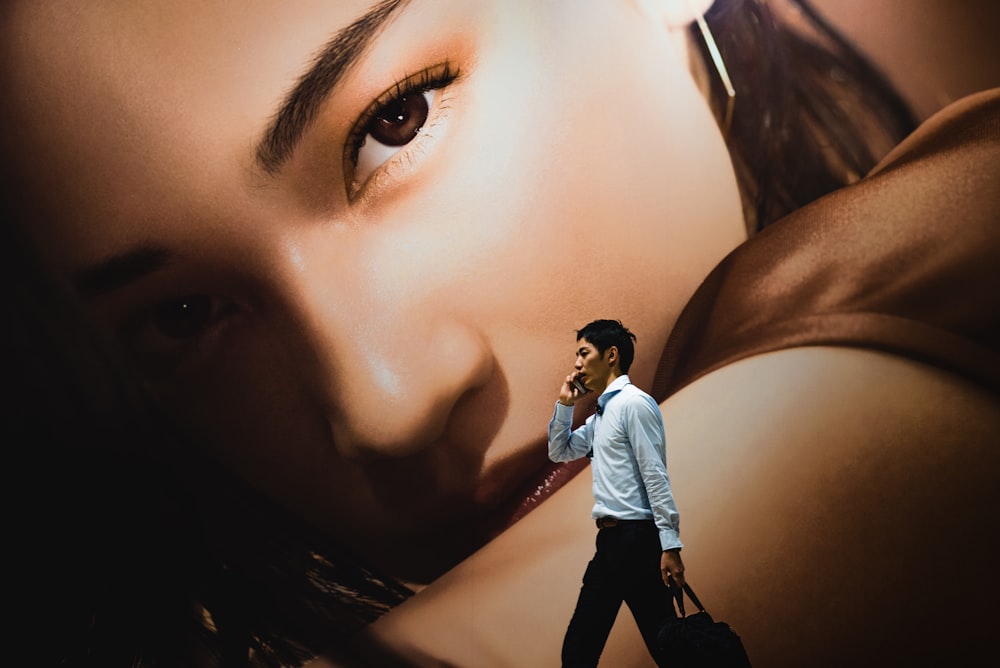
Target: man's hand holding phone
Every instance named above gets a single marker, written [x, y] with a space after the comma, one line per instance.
[572, 389]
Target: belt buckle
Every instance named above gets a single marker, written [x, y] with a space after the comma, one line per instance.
[607, 522]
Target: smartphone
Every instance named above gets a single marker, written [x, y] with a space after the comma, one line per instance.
[580, 387]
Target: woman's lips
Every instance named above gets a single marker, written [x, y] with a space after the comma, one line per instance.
[554, 476]
[443, 539]
[530, 494]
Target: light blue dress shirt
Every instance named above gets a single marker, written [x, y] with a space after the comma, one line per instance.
[629, 461]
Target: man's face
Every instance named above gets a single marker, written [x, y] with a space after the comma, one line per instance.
[354, 308]
[594, 369]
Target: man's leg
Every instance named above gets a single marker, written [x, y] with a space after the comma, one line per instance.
[647, 597]
[596, 609]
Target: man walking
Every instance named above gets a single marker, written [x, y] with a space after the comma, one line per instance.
[638, 542]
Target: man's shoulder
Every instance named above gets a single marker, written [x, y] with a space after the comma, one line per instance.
[632, 390]
[632, 395]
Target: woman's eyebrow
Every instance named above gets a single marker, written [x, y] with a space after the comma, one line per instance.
[301, 105]
[120, 270]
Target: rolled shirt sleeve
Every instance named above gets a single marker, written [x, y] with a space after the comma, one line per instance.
[565, 445]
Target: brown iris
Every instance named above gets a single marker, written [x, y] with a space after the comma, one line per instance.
[397, 122]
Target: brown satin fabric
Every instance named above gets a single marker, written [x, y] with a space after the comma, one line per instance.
[906, 261]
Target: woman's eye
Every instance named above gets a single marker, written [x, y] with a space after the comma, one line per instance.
[394, 125]
[175, 334]
[182, 318]
[397, 118]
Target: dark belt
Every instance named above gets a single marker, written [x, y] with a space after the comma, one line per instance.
[608, 522]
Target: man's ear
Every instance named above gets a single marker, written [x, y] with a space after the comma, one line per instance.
[677, 13]
[612, 355]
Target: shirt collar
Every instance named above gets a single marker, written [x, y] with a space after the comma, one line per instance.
[614, 388]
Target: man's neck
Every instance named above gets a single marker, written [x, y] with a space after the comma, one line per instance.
[615, 375]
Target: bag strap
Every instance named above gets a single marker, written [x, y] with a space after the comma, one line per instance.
[678, 594]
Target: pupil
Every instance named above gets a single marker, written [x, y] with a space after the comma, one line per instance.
[398, 122]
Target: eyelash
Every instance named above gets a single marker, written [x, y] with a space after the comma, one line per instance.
[432, 78]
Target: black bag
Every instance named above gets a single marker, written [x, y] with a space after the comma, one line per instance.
[697, 640]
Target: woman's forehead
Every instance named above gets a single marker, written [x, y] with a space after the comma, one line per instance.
[108, 94]
[187, 23]
[177, 49]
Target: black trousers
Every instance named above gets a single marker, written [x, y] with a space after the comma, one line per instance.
[625, 567]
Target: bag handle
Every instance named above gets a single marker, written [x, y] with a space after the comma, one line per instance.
[678, 594]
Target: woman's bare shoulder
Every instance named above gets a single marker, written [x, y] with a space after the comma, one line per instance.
[810, 387]
[851, 484]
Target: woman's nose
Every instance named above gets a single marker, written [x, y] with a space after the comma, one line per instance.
[397, 389]
[388, 369]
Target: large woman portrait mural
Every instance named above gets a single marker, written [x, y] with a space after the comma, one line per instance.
[334, 255]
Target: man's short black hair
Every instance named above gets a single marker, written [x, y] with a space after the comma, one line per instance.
[602, 334]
